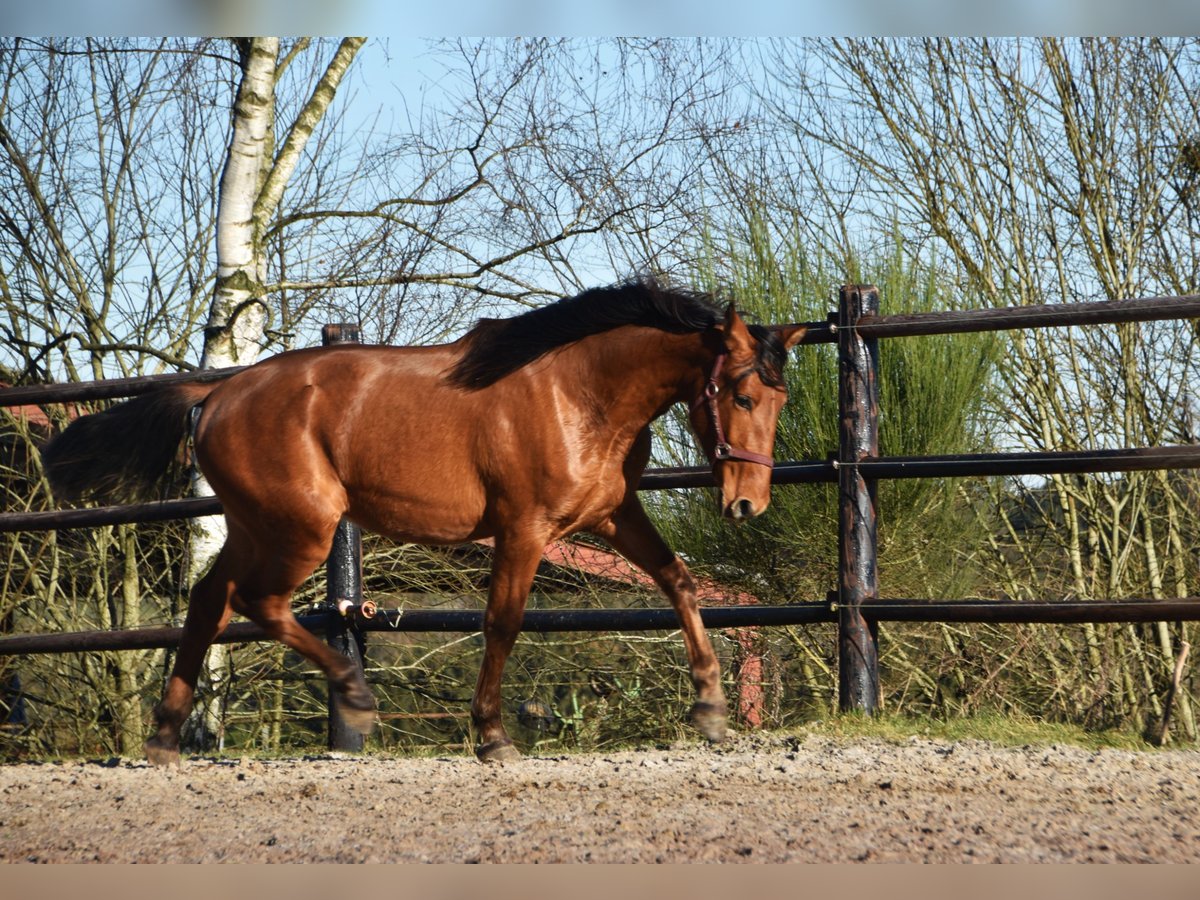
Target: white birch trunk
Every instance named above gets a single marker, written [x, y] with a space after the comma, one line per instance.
[238, 316]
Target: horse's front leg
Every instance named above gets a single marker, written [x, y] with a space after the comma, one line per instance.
[634, 536]
[513, 568]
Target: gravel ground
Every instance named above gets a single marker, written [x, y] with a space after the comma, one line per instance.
[754, 799]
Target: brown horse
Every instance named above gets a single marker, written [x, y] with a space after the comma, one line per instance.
[524, 430]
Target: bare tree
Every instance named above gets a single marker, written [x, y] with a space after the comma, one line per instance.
[102, 243]
[105, 229]
[1046, 171]
[544, 167]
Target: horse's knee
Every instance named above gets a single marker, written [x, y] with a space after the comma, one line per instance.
[677, 581]
[502, 628]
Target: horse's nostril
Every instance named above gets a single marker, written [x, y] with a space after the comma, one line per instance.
[740, 509]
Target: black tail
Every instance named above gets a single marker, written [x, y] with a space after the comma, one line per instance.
[122, 453]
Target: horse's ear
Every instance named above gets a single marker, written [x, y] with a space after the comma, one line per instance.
[737, 336]
[791, 335]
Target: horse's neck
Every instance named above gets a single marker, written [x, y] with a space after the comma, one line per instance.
[638, 377]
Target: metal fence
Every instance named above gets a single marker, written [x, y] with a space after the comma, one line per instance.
[856, 467]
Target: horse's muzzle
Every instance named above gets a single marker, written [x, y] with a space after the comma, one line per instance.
[740, 510]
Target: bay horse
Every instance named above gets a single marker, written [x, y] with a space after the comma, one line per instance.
[525, 430]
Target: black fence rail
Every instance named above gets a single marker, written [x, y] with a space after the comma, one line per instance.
[856, 467]
[813, 472]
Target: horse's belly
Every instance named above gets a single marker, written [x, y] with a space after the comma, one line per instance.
[439, 511]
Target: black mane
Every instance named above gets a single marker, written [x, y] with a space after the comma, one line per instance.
[498, 347]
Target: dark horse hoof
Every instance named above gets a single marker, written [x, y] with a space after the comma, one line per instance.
[361, 721]
[709, 719]
[356, 706]
[501, 751]
[160, 754]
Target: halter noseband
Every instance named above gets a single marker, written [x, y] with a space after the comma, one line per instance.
[723, 450]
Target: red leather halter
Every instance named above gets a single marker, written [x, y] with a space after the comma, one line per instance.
[723, 450]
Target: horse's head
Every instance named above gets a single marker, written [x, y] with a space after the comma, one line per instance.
[736, 413]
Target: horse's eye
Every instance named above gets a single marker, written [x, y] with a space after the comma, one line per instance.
[743, 401]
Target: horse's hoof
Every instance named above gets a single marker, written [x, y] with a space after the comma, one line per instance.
[709, 719]
[159, 754]
[501, 751]
[361, 721]
[356, 706]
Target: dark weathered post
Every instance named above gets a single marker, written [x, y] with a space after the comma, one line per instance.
[343, 583]
[858, 582]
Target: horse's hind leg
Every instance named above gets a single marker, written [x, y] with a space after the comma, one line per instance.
[265, 598]
[208, 613]
[634, 536]
[260, 586]
[351, 693]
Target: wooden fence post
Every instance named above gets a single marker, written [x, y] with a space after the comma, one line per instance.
[343, 582]
[858, 576]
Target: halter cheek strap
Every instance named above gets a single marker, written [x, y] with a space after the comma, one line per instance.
[723, 450]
